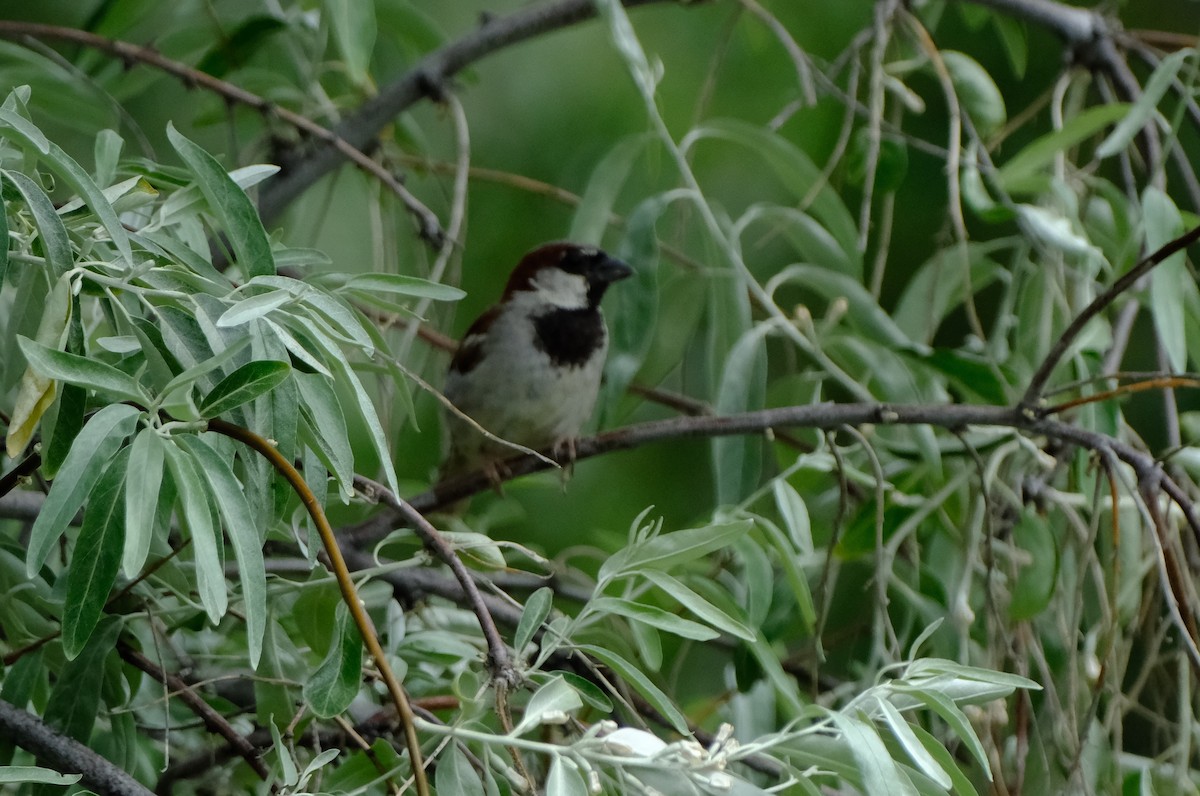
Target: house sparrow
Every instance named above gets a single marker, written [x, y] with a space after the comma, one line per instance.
[528, 369]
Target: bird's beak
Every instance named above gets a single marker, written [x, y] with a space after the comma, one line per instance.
[610, 270]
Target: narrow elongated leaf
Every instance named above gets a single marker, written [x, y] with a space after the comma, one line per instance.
[879, 771]
[653, 616]
[253, 307]
[796, 171]
[243, 386]
[37, 390]
[75, 701]
[141, 498]
[334, 684]
[75, 176]
[96, 557]
[1142, 111]
[593, 215]
[402, 284]
[3, 236]
[83, 371]
[537, 608]
[36, 774]
[196, 517]
[230, 500]
[699, 606]
[353, 26]
[669, 550]
[1170, 280]
[1039, 153]
[56, 245]
[959, 724]
[100, 438]
[25, 130]
[642, 684]
[239, 219]
[327, 424]
[912, 745]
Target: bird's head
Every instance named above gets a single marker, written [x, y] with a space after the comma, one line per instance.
[566, 275]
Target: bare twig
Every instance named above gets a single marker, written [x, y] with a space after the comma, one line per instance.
[499, 660]
[1037, 384]
[214, 722]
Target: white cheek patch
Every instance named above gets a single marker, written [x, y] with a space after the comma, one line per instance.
[557, 287]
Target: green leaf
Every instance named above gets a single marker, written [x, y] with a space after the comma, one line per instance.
[248, 309]
[653, 616]
[537, 608]
[1142, 111]
[56, 244]
[238, 217]
[565, 779]
[335, 683]
[323, 428]
[903, 732]
[83, 371]
[862, 309]
[403, 285]
[141, 498]
[231, 501]
[456, 775]
[1170, 279]
[699, 606]
[75, 176]
[553, 700]
[75, 701]
[353, 24]
[978, 94]
[1017, 173]
[737, 459]
[959, 724]
[796, 171]
[243, 386]
[26, 130]
[669, 550]
[100, 438]
[196, 518]
[36, 774]
[879, 771]
[633, 676]
[96, 556]
[36, 394]
[3, 236]
[594, 213]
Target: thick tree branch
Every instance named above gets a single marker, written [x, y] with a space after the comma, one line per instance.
[825, 416]
[425, 79]
[66, 755]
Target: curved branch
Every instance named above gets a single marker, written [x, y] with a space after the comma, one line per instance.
[66, 755]
[345, 584]
[498, 658]
[424, 79]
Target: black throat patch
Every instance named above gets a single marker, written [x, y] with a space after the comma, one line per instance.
[569, 337]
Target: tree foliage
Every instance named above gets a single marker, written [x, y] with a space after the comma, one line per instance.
[893, 491]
